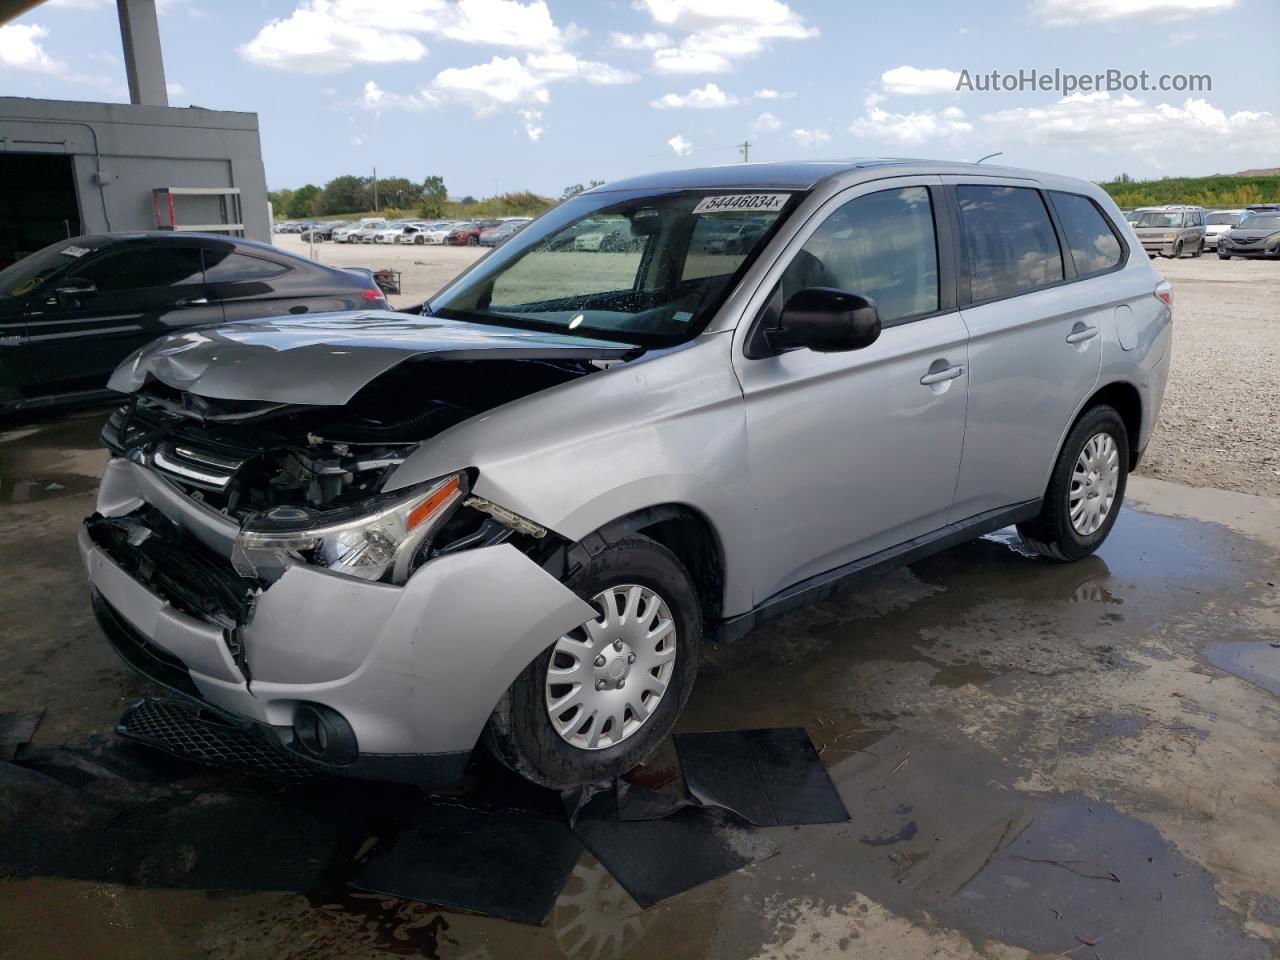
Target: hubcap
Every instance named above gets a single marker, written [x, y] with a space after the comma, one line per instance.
[608, 676]
[1093, 484]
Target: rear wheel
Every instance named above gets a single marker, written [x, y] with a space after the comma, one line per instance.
[1085, 490]
[602, 697]
[473, 241]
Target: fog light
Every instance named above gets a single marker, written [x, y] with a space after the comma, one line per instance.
[324, 734]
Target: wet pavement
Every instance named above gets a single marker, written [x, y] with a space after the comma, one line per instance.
[1038, 759]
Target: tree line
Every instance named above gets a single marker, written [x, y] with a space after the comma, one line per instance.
[399, 195]
[1209, 192]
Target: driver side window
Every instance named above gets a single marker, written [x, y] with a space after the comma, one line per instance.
[881, 245]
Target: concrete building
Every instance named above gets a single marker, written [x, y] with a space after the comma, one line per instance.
[69, 167]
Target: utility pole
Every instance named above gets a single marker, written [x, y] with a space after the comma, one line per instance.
[375, 189]
[745, 147]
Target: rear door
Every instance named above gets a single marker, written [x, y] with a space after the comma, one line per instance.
[1035, 345]
[112, 304]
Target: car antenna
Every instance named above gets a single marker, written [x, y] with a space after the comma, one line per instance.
[998, 153]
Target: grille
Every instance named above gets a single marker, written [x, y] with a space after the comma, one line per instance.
[200, 468]
[194, 733]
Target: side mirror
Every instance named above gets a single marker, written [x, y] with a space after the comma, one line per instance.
[827, 321]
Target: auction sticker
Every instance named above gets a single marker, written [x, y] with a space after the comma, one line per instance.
[743, 202]
[74, 251]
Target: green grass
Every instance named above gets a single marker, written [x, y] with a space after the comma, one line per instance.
[1208, 192]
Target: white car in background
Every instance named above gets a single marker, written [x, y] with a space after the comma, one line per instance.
[411, 233]
[389, 234]
[437, 231]
[1218, 223]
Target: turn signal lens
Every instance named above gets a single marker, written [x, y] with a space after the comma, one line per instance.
[438, 498]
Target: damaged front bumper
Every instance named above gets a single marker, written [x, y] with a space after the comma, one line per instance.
[412, 671]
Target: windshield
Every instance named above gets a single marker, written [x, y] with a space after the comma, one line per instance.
[1157, 219]
[30, 273]
[1217, 219]
[1263, 221]
[639, 267]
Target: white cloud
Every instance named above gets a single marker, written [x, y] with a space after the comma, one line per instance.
[769, 93]
[639, 41]
[532, 124]
[1063, 13]
[376, 99]
[809, 138]
[720, 32]
[680, 145]
[357, 140]
[487, 86]
[765, 123]
[911, 128]
[1124, 123]
[21, 49]
[709, 97]
[912, 81]
[175, 89]
[322, 36]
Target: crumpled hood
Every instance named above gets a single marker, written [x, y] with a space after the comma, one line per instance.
[325, 358]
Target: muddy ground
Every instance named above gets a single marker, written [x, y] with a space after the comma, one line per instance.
[1039, 759]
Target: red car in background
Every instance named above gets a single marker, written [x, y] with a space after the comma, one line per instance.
[468, 234]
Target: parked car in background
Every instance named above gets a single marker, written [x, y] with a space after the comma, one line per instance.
[411, 233]
[369, 232]
[1131, 215]
[1171, 231]
[72, 311]
[606, 236]
[468, 234]
[390, 233]
[1217, 223]
[495, 236]
[1257, 237]
[321, 232]
[439, 231]
[362, 492]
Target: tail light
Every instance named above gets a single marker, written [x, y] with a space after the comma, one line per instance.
[1164, 293]
[373, 295]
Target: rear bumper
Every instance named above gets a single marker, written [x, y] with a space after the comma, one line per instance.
[414, 670]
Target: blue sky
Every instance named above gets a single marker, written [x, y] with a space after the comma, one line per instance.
[499, 95]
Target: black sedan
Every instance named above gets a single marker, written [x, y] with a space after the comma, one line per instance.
[1257, 236]
[71, 312]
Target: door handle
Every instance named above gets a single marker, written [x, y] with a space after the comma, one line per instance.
[194, 302]
[942, 376]
[1082, 334]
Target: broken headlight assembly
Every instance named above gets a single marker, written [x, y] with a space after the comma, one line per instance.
[378, 539]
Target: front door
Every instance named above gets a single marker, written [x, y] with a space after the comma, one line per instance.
[852, 453]
[111, 305]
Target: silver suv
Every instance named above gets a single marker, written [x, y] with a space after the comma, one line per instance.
[372, 541]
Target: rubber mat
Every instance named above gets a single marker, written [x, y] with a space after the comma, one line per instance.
[500, 862]
[770, 778]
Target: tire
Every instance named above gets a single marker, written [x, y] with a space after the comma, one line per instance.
[473, 241]
[1177, 251]
[1053, 533]
[1198, 251]
[1224, 256]
[520, 732]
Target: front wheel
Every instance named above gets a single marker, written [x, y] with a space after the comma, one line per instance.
[1224, 256]
[1177, 251]
[473, 241]
[1085, 489]
[1198, 250]
[601, 698]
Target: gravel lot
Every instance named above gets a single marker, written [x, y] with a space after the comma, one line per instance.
[1220, 424]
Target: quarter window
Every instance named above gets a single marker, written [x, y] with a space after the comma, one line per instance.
[882, 245]
[1010, 241]
[1092, 243]
[224, 267]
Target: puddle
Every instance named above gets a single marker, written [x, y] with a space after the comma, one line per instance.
[49, 487]
[1255, 661]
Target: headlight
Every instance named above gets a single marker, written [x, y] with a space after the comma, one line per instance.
[378, 545]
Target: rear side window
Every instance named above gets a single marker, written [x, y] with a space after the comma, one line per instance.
[1093, 245]
[1010, 241]
[159, 265]
[221, 266]
[881, 245]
